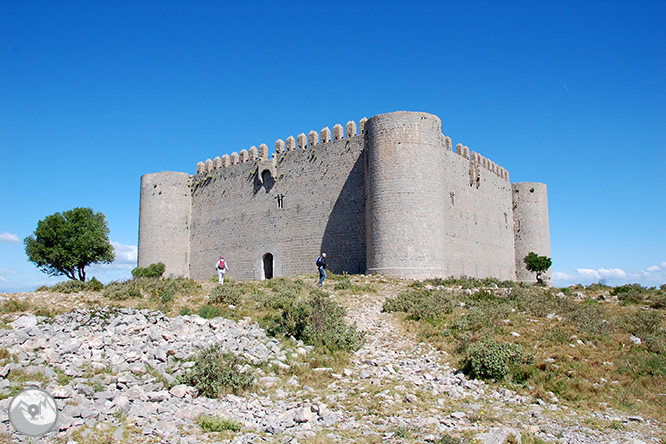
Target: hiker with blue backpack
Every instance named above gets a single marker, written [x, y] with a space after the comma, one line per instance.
[321, 265]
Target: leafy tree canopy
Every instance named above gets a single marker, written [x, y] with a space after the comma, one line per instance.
[65, 244]
[537, 264]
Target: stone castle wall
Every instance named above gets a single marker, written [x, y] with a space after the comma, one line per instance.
[394, 199]
[236, 212]
[164, 218]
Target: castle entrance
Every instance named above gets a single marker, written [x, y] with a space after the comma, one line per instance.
[268, 266]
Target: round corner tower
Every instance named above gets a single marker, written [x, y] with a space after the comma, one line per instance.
[530, 226]
[164, 219]
[404, 186]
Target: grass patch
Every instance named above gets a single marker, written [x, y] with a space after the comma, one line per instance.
[215, 424]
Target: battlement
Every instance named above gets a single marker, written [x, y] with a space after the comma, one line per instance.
[302, 142]
[313, 138]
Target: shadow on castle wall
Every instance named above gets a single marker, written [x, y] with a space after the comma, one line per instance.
[344, 235]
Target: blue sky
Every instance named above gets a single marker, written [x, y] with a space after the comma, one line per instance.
[572, 94]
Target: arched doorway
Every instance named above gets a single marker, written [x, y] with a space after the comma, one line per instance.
[268, 266]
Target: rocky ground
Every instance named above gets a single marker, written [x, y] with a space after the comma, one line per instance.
[113, 373]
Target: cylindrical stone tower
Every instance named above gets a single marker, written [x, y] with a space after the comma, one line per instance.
[530, 226]
[164, 219]
[405, 195]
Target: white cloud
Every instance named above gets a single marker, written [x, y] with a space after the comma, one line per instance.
[587, 273]
[8, 237]
[7, 271]
[654, 275]
[560, 276]
[613, 273]
[126, 256]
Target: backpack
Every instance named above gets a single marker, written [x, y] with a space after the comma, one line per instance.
[318, 263]
[221, 265]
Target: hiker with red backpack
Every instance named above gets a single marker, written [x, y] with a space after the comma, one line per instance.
[222, 268]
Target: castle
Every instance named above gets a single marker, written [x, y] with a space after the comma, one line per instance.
[392, 198]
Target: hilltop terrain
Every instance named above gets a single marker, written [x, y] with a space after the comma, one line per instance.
[129, 363]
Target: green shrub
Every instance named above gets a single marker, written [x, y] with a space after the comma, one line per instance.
[230, 294]
[492, 360]
[421, 304]
[482, 316]
[94, 285]
[598, 287]
[646, 324]
[209, 311]
[67, 287]
[212, 424]
[535, 301]
[317, 321]
[627, 288]
[590, 319]
[121, 291]
[75, 286]
[344, 284]
[291, 288]
[215, 373]
[165, 289]
[631, 297]
[151, 271]
[658, 299]
[326, 326]
[14, 306]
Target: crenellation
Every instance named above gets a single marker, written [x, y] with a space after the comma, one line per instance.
[325, 135]
[279, 146]
[338, 132]
[448, 143]
[313, 138]
[456, 219]
[291, 143]
[253, 153]
[302, 141]
[351, 128]
[263, 152]
[460, 150]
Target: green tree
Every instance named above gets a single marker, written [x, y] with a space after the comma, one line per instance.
[537, 264]
[65, 244]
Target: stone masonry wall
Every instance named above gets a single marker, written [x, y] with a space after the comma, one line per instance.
[531, 226]
[236, 214]
[479, 222]
[164, 216]
[404, 190]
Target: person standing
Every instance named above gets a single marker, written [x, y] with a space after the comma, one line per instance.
[321, 265]
[222, 268]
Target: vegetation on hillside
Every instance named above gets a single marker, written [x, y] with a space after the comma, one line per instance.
[587, 347]
[584, 346]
